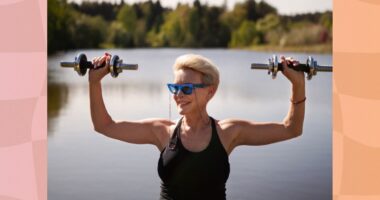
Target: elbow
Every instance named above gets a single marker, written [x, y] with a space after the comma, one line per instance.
[296, 132]
[101, 129]
[292, 129]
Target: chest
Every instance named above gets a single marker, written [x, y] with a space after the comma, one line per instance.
[196, 142]
[199, 142]
[180, 163]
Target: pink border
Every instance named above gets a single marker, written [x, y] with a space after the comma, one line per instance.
[23, 99]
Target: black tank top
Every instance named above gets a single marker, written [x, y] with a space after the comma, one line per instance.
[193, 175]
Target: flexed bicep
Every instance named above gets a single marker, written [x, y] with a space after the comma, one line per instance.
[147, 131]
[260, 133]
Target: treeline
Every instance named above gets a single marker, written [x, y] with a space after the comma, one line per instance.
[148, 24]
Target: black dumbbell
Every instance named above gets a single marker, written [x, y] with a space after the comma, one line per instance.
[81, 65]
[310, 67]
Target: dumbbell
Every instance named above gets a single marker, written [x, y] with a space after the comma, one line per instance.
[81, 65]
[310, 67]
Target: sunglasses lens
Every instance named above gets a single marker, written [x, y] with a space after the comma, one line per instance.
[173, 89]
[187, 90]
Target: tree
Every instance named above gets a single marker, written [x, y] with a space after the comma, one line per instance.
[246, 35]
[128, 17]
[60, 17]
[118, 36]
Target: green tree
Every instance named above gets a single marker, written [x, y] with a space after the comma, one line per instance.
[235, 17]
[326, 20]
[60, 16]
[263, 9]
[89, 32]
[118, 37]
[270, 29]
[173, 31]
[100, 24]
[246, 35]
[268, 23]
[127, 16]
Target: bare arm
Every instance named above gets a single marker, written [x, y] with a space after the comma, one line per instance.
[99, 115]
[255, 133]
[261, 133]
[148, 131]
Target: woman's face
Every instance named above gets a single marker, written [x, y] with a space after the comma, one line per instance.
[197, 100]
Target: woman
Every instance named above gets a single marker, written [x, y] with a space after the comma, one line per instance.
[193, 163]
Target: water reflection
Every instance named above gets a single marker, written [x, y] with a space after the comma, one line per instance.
[58, 96]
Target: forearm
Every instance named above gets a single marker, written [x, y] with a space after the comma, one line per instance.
[99, 115]
[295, 117]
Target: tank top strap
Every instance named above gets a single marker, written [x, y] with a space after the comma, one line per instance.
[215, 140]
[174, 138]
[214, 134]
[214, 143]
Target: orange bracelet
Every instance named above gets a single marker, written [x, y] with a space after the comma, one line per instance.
[298, 102]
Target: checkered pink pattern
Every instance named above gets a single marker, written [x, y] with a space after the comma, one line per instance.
[23, 99]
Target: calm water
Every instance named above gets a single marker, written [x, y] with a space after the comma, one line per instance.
[83, 164]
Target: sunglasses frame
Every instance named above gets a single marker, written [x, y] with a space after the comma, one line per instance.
[181, 86]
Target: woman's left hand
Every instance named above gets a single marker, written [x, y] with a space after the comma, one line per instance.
[295, 77]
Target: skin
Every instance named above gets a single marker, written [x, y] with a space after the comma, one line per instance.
[196, 129]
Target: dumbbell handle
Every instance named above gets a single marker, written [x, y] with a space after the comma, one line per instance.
[89, 65]
[299, 67]
[129, 66]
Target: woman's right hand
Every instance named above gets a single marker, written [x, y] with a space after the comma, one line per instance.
[97, 74]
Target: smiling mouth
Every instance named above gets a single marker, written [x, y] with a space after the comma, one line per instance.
[183, 104]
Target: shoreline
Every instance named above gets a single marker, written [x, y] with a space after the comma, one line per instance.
[319, 48]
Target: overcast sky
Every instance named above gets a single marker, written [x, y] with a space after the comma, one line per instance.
[283, 6]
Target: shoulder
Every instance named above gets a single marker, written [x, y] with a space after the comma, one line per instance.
[228, 131]
[159, 126]
[231, 125]
[157, 122]
[163, 129]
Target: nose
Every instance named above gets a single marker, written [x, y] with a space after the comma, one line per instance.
[179, 93]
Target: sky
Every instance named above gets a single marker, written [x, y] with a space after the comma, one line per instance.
[283, 6]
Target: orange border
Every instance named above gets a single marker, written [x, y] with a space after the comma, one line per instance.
[356, 100]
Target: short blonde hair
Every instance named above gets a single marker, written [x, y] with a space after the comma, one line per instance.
[209, 71]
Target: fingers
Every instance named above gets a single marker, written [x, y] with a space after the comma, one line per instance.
[98, 61]
[284, 62]
[108, 59]
[289, 61]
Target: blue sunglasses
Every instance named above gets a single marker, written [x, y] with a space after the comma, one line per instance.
[186, 88]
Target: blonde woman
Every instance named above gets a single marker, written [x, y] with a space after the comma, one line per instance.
[194, 162]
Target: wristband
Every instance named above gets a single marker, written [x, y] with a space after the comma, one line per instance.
[298, 102]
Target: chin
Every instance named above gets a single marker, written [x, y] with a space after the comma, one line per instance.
[183, 111]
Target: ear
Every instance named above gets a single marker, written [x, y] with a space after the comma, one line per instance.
[211, 92]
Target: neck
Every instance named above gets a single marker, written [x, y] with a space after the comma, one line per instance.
[196, 121]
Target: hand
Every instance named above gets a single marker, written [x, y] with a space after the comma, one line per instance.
[97, 74]
[295, 77]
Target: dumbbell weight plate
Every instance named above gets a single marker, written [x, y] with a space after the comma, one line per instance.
[114, 66]
[80, 64]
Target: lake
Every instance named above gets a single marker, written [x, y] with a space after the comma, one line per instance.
[83, 164]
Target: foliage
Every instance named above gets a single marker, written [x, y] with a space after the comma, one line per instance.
[246, 35]
[148, 24]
